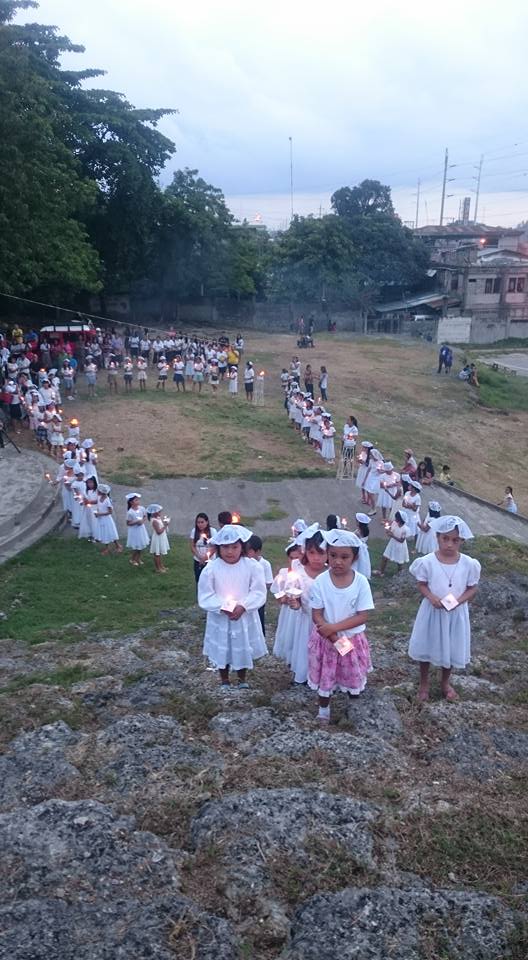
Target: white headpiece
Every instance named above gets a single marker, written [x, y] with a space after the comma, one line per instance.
[70, 464]
[447, 524]
[403, 514]
[367, 444]
[86, 444]
[299, 525]
[416, 484]
[231, 533]
[305, 534]
[104, 488]
[362, 518]
[434, 505]
[154, 508]
[131, 496]
[388, 465]
[341, 538]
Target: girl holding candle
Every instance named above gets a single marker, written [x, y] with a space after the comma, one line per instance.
[87, 528]
[291, 589]
[412, 502]
[138, 537]
[141, 366]
[159, 542]
[389, 488]
[231, 589]
[199, 538]
[447, 580]
[338, 650]
[396, 549]
[328, 433]
[105, 526]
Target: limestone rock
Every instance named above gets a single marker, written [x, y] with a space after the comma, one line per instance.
[374, 713]
[243, 725]
[78, 882]
[35, 765]
[399, 923]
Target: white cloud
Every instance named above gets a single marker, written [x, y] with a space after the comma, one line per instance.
[376, 91]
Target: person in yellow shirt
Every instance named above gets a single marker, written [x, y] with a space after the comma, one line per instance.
[233, 357]
[16, 333]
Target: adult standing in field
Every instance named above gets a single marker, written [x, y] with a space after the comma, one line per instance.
[442, 355]
[309, 380]
[249, 378]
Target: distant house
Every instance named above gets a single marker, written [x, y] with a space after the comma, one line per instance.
[481, 285]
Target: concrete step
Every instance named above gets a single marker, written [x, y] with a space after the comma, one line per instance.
[50, 519]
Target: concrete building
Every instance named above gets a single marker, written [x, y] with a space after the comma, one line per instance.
[480, 286]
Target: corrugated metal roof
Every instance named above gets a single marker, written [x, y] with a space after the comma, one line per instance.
[424, 300]
[466, 230]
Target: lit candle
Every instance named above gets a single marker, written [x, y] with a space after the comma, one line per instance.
[292, 586]
[344, 522]
[235, 517]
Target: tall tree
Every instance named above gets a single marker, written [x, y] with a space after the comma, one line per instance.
[79, 199]
[43, 193]
[369, 198]
[313, 259]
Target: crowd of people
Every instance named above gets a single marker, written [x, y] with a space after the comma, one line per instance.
[323, 590]
[325, 601]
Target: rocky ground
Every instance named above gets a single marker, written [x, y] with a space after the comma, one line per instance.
[146, 813]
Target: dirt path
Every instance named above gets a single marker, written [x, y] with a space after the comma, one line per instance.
[183, 498]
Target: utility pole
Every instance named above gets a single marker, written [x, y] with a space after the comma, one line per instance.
[417, 203]
[291, 175]
[478, 178]
[442, 202]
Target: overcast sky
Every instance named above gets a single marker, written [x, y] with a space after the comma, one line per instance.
[374, 91]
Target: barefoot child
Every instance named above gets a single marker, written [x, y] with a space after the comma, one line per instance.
[159, 542]
[338, 650]
[447, 580]
[396, 548]
[138, 537]
[231, 589]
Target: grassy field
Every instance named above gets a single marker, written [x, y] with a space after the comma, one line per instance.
[63, 590]
[389, 384]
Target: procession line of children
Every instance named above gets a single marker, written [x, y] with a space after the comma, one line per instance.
[325, 604]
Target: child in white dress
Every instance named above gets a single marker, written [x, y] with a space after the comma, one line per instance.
[338, 650]
[292, 589]
[231, 589]
[389, 488]
[138, 537]
[447, 580]
[426, 540]
[233, 381]
[141, 366]
[411, 503]
[328, 434]
[159, 542]
[87, 528]
[363, 467]
[254, 551]
[284, 632]
[78, 490]
[371, 483]
[396, 549]
[105, 526]
[362, 564]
